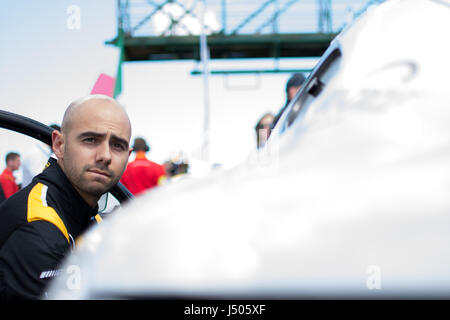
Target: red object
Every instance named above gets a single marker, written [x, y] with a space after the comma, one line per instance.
[8, 183]
[104, 85]
[142, 174]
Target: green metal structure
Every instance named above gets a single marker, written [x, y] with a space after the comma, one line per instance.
[155, 30]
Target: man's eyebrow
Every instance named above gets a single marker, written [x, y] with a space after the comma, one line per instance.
[91, 134]
[101, 135]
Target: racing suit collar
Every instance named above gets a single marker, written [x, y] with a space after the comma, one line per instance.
[70, 195]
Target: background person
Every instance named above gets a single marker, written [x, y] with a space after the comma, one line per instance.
[7, 179]
[263, 129]
[142, 174]
[294, 84]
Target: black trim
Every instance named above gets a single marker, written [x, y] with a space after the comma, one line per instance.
[26, 126]
[312, 86]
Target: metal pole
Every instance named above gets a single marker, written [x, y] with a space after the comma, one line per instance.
[324, 16]
[204, 54]
[275, 32]
[120, 45]
[224, 16]
[275, 21]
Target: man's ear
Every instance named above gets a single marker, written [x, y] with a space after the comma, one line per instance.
[58, 144]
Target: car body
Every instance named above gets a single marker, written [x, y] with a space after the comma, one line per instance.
[348, 199]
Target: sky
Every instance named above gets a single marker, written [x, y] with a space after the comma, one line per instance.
[46, 63]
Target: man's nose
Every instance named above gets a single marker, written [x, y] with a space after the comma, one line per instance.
[103, 153]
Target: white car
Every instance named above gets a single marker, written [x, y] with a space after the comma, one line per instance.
[350, 198]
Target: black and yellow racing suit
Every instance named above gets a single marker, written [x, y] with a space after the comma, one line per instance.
[38, 226]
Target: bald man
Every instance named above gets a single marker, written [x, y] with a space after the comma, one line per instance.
[39, 224]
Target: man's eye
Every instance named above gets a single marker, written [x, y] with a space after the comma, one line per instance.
[89, 140]
[118, 146]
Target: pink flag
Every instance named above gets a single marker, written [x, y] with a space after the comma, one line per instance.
[104, 85]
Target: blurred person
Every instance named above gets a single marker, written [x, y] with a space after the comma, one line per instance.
[7, 179]
[263, 129]
[293, 85]
[34, 160]
[176, 166]
[170, 168]
[175, 171]
[142, 174]
[39, 224]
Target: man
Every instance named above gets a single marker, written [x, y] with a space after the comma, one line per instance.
[7, 179]
[294, 84]
[142, 174]
[40, 222]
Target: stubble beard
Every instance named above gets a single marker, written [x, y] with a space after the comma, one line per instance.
[93, 186]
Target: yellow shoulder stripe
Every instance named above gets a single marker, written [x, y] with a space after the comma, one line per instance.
[39, 210]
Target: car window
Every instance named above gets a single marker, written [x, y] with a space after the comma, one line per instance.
[314, 86]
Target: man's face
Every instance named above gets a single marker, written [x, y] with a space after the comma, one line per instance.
[15, 164]
[292, 91]
[95, 148]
